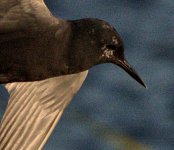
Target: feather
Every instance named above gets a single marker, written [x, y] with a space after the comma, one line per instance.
[34, 109]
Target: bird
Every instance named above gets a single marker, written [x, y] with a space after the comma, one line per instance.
[44, 61]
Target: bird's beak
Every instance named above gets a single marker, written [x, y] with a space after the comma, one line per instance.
[125, 65]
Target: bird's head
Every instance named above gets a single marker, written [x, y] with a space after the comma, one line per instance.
[102, 44]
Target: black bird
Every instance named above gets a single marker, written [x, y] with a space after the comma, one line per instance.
[35, 46]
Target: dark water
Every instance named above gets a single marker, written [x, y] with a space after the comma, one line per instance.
[112, 111]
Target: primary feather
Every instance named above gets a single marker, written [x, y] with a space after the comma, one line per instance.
[34, 109]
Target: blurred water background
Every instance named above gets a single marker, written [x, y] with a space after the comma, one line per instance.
[111, 111]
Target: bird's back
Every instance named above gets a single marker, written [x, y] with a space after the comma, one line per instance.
[28, 57]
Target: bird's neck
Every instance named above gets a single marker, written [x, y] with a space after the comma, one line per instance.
[81, 55]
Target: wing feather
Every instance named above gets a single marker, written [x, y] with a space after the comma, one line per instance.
[24, 15]
[34, 109]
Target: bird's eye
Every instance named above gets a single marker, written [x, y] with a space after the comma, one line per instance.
[113, 47]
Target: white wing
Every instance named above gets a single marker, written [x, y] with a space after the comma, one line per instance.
[34, 109]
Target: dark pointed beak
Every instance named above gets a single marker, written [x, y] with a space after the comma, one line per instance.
[125, 65]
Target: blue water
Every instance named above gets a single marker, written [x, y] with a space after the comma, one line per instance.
[111, 110]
